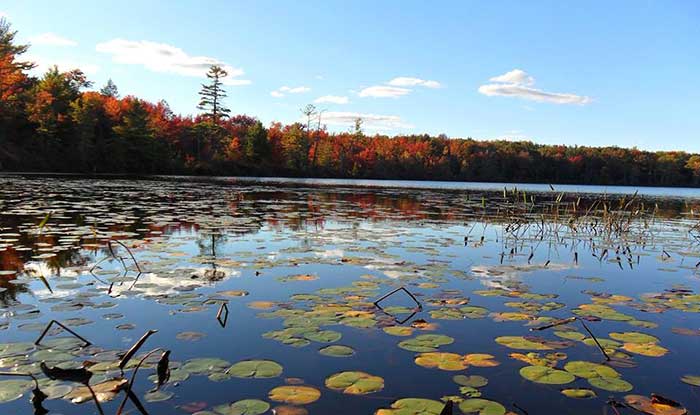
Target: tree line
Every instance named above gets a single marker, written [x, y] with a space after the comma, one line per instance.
[56, 123]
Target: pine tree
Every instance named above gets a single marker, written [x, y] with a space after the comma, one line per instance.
[213, 94]
[110, 89]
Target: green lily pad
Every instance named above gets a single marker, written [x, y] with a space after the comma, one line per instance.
[691, 380]
[337, 351]
[443, 361]
[634, 337]
[546, 375]
[294, 394]
[530, 343]
[579, 393]
[590, 370]
[426, 342]
[158, 396]
[611, 384]
[205, 366]
[398, 331]
[323, 336]
[258, 369]
[413, 406]
[473, 381]
[481, 407]
[355, 383]
[645, 349]
[12, 389]
[243, 407]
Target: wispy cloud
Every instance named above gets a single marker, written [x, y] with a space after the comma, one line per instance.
[518, 83]
[397, 87]
[409, 81]
[161, 57]
[382, 91]
[374, 122]
[516, 76]
[331, 99]
[284, 90]
[51, 39]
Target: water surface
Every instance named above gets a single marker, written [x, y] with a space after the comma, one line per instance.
[299, 266]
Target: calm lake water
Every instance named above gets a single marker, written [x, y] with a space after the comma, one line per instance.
[299, 264]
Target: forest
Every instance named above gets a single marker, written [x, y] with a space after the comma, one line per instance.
[59, 122]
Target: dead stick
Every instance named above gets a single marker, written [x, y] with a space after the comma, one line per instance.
[133, 379]
[594, 339]
[132, 351]
[52, 322]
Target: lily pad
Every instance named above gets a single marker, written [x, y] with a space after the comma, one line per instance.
[413, 406]
[443, 361]
[355, 383]
[295, 394]
[473, 381]
[634, 337]
[654, 406]
[243, 407]
[482, 407]
[579, 393]
[611, 384]
[691, 380]
[259, 369]
[645, 349]
[337, 351]
[546, 375]
[12, 389]
[426, 342]
[590, 370]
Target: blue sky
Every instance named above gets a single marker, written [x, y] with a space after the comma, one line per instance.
[589, 73]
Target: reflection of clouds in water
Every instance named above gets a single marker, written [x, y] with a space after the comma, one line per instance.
[331, 253]
[42, 269]
[492, 276]
[391, 270]
[173, 282]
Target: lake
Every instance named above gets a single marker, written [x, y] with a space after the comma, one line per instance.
[519, 299]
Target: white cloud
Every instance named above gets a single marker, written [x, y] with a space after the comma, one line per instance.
[408, 81]
[3, 14]
[295, 90]
[284, 90]
[331, 99]
[161, 57]
[516, 76]
[381, 91]
[51, 39]
[64, 65]
[369, 121]
[518, 83]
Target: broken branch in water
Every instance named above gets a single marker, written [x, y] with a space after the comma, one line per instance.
[135, 348]
[563, 321]
[52, 322]
[402, 288]
[130, 385]
[223, 307]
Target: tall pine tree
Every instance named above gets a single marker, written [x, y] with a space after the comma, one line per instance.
[213, 94]
[110, 89]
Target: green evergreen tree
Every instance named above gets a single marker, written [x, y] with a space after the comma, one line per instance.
[110, 89]
[212, 95]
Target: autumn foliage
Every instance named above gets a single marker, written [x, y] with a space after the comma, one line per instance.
[55, 123]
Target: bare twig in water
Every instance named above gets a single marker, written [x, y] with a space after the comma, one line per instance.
[51, 323]
[402, 288]
[133, 379]
[135, 348]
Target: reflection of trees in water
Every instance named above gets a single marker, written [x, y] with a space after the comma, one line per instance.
[12, 291]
